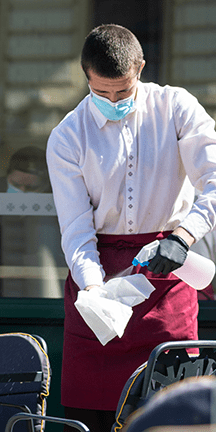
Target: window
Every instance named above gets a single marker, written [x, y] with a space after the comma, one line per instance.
[41, 80]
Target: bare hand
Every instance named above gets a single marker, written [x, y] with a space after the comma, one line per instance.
[90, 287]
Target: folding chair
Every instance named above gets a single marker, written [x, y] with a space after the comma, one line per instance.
[26, 416]
[185, 406]
[168, 363]
[25, 376]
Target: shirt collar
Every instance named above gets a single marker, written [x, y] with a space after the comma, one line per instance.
[140, 101]
[100, 119]
[98, 116]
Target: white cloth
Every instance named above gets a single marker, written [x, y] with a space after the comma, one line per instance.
[107, 310]
[131, 176]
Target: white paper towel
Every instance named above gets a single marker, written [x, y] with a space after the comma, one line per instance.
[107, 309]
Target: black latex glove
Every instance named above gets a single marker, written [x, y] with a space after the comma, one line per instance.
[171, 254]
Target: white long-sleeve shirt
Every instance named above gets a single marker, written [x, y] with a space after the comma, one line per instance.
[131, 176]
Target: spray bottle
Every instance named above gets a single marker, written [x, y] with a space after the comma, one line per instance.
[197, 271]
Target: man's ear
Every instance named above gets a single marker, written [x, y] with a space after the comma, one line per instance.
[141, 68]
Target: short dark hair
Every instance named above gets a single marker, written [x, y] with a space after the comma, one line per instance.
[111, 51]
[29, 159]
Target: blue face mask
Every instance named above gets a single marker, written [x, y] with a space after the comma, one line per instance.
[13, 189]
[113, 110]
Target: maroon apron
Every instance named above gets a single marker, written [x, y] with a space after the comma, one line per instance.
[94, 375]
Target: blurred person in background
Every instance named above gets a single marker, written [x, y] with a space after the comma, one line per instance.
[36, 240]
[27, 172]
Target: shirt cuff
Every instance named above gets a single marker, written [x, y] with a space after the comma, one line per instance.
[196, 225]
[90, 276]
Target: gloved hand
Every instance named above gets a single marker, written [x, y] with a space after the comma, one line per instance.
[171, 254]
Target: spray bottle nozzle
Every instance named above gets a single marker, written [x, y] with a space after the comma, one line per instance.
[146, 254]
[135, 262]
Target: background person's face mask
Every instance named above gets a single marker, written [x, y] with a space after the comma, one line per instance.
[13, 189]
[114, 110]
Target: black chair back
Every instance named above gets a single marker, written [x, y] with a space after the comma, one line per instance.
[25, 376]
[168, 363]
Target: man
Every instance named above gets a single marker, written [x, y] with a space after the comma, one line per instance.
[122, 166]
